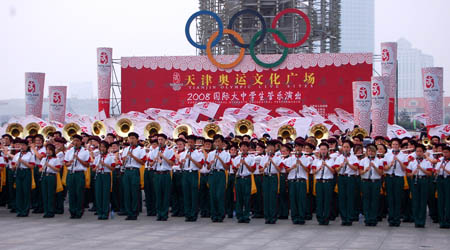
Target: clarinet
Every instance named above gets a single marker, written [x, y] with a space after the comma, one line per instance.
[416, 177]
[15, 170]
[241, 169]
[215, 161]
[189, 161]
[122, 168]
[75, 161]
[45, 169]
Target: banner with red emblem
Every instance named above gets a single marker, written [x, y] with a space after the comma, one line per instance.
[380, 106]
[389, 70]
[57, 96]
[432, 79]
[104, 65]
[362, 103]
[34, 93]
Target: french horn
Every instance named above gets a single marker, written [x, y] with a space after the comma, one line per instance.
[180, 129]
[243, 127]
[71, 129]
[210, 130]
[123, 127]
[15, 130]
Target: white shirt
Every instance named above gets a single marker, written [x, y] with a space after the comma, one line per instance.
[446, 165]
[108, 159]
[138, 152]
[216, 164]
[241, 169]
[3, 161]
[196, 154]
[54, 162]
[299, 172]
[270, 169]
[325, 173]
[396, 168]
[425, 164]
[41, 151]
[258, 159]
[82, 153]
[27, 157]
[352, 160]
[60, 156]
[163, 165]
[371, 174]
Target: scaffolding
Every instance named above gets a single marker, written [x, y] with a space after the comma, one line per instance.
[324, 16]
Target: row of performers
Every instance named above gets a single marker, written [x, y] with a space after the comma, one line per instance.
[221, 176]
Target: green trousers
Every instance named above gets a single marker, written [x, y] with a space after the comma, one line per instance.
[177, 194]
[48, 185]
[217, 194]
[243, 189]
[115, 194]
[419, 200]
[297, 198]
[149, 190]
[10, 180]
[346, 193]
[443, 188]
[162, 189]
[432, 201]
[370, 197]
[270, 191]
[283, 197]
[23, 189]
[394, 192]
[257, 198]
[203, 194]
[229, 196]
[36, 194]
[76, 183]
[324, 190]
[131, 182]
[102, 194]
[190, 193]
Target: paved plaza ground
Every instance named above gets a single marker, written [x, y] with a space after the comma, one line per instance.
[35, 232]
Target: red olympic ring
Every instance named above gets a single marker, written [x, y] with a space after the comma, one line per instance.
[304, 38]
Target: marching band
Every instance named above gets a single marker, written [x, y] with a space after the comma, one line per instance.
[217, 177]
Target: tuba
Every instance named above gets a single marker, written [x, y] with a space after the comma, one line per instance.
[151, 129]
[319, 131]
[15, 130]
[243, 127]
[180, 129]
[71, 129]
[47, 130]
[359, 131]
[99, 128]
[287, 131]
[32, 129]
[210, 130]
[123, 127]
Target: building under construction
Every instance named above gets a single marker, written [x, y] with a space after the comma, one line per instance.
[323, 14]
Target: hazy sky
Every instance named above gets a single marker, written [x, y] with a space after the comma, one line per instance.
[60, 37]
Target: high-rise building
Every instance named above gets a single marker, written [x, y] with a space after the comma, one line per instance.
[357, 26]
[410, 64]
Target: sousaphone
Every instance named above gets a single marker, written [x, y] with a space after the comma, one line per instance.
[243, 127]
[123, 127]
[71, 129]
[47, 130]
[359, 131]
[15, 130]
[152, 129]
[287, 131]
[32, 129]
[180, 129]
[319, 131]
[210, 130]
[99, 128]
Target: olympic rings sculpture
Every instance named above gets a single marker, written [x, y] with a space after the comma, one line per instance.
[255, 41]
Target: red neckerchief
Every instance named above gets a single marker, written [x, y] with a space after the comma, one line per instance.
[181, 151]
[395, 152]
[371, 158]
[244, 155]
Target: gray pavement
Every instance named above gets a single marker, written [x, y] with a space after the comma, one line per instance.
[35, 232]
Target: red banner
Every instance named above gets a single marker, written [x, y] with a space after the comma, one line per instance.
[320, 80]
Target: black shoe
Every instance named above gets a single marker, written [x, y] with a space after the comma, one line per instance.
[301, 223]
[37, 211]
[59, 212]
[419, 226]
[121, 213]
[92, 209]
[240, 221]
[163, 219]
[267, 222]
[230, 216]
[95, 213]
[72, 216]
[13, 211]
[131, 218]
[295, 222]
[283, 217]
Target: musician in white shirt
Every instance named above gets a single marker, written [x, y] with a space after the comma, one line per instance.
[22, 164]
[442, 170]
[371, 170]
[419, 169]
[149, 180]
[244, 165]
[133, 157]
[323, 169]
[164, 158]
[76, 161]
[395, 172]
[49, 166]
[269, 165]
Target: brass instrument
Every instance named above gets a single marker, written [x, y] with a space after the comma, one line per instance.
[359, 131]
[264, 140]
[180, 129]
[123, 127]
[447, 140]
[287, 131]
[243, 127]
[32, 129]
[236, 140]
[319, 131]
[426, 142]
[210, 130]
[47, 130]
[15, 130]
[152, 129]
[98, 128]
[71, 129]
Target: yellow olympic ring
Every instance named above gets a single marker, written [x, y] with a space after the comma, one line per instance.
[211, 57]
